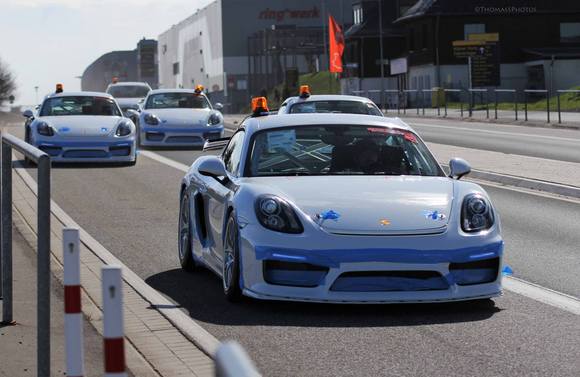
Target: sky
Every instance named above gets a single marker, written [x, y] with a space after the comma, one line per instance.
[45, 42]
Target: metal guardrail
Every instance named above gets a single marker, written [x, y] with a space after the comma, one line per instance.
[42, 161]
[420, 102]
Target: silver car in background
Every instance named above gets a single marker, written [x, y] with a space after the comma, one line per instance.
[179, 117]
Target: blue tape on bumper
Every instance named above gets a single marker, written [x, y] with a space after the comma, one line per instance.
[333, 258]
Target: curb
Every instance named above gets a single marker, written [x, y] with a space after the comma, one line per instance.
[206, 342]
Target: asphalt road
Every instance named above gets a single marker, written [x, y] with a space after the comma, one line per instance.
[550, 143]
[133, 211]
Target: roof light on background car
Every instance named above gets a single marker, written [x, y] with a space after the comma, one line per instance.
[304, 91]
[59, 88]
[259, 106]
[198, 89]
[115, 80]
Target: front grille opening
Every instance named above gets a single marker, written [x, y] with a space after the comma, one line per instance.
[155, 136]
[477, 272]
[120, 151]
[85, 153]
[51, 151]
[183, 139]
[294, 274]
[389, 281]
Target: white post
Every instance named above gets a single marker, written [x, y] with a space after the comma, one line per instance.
[114, 349]
[73, 317]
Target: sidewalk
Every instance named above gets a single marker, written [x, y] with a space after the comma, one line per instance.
[18, 343]
[154, 345]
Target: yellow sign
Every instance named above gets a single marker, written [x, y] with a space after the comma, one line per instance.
[468, 43]
[484, 37]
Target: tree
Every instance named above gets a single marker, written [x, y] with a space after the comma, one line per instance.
[7, 83]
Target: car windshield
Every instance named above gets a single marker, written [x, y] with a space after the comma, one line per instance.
[177, 100]
[347, 107]
[128, 91]
[79, 105]
[339, 150]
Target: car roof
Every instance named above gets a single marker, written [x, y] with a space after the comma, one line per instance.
[255, 124]
[129, 83]
[79, 94]
[176, 90]
[328, 97]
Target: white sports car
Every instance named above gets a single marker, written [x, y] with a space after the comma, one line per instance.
[179, 117]
[328, 103]
[82, 127]
[338, 208]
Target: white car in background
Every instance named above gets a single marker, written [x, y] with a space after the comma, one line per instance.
[81, 127]
[129, 95]
[305, 103]
[180, 118]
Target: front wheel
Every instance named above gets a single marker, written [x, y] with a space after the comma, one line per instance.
[185, 252]
[231, 268]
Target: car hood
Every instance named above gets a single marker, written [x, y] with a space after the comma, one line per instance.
[83, 125]
[124, 102]
[368, 204]
[181, 116]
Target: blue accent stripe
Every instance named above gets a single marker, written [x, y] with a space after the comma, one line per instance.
[333, 258]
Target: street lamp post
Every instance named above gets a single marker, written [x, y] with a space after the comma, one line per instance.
[36, 95]
[382, 63]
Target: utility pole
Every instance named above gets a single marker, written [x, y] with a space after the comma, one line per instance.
[36, 95]
[381, 52]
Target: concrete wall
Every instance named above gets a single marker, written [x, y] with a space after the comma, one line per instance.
[196, 45]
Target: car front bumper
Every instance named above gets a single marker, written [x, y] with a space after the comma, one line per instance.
[367, 269]
[103, 151]
[179, 136]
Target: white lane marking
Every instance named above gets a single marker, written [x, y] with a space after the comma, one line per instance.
[542, 294]
[496, 132]
[164, 160]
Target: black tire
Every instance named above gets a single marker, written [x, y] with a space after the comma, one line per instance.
[132, 163]
[184, 235]
[231, 267]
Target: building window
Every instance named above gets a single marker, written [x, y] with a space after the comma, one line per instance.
[357, 14]
[176, 68]
[569, 32]
[472, 29]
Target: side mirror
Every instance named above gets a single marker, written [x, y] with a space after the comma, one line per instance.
[142, 100]
[28, 114]
[212, 166]
[218, 106]
[458, 167]
[131, 114]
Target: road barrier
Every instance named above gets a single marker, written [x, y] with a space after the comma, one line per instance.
[420, 101]
[232, 361]
[113, 331]
[73, 316]
[42, 161]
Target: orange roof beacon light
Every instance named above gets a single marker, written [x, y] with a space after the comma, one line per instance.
[198, 89]
[259, 106]
[59, 88]
[115, 80]
[304, 91]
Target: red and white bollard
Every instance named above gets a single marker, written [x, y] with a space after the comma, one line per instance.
[113, 321]
[73, 317]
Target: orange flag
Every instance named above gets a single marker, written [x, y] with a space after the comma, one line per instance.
[336, 43]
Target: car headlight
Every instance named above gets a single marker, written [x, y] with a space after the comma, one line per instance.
[214, 119]
[151, 119]
[45, 129]
[276, 214]
[123, 129]
[476, 214]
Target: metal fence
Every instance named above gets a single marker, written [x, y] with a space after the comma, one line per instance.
[470, 100]
[42, 161]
